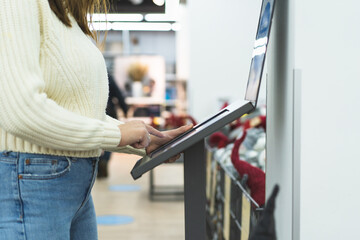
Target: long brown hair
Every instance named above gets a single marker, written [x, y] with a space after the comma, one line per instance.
[79, 9]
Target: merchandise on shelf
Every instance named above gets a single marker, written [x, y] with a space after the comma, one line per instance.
[173, 121]
[265, 228]
[241, 144]
[256, 177]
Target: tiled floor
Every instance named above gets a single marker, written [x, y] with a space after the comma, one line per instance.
[152, 219]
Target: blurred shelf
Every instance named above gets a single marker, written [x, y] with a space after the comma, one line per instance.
[171, 102]
[234, 176]
[226, 192]
[152, 101]
[170, 77]
[144, 101]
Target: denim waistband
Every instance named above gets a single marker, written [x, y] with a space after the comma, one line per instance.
[16, 155]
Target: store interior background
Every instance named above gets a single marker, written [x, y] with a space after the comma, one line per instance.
[310, 88]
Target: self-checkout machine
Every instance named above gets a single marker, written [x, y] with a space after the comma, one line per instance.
[192, 142]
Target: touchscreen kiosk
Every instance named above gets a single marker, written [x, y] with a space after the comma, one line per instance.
[226, 115]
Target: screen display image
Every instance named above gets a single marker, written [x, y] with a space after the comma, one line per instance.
[259, 51]
[254, 77]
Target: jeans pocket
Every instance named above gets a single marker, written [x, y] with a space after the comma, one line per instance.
[44, 169]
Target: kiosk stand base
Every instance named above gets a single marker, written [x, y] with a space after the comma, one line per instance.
[195, 195]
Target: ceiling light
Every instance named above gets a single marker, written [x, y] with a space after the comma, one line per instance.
[159, 2]
[171, 13]
[112, 17]
[176, 26]
[118, 26]
[100, 26]
[136, 2]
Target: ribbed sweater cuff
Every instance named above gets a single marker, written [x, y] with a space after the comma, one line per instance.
[129, 150]
[113, 136]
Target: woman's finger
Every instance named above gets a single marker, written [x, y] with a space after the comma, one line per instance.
[177, 131]
[154, 131]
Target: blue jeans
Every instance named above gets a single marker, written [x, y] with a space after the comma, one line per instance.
[46, 197]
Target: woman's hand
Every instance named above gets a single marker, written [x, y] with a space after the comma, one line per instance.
[168, 135]
[137, 134]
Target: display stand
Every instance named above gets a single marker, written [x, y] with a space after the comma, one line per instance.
[193, 147]
[195, 196]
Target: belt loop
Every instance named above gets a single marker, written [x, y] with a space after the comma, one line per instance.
[6, 153]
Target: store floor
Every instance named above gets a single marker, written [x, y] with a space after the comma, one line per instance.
[123, 207]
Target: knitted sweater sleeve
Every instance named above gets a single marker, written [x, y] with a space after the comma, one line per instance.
[124, 149]
[25, 110]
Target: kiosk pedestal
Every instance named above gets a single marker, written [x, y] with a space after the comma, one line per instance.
[195, 195]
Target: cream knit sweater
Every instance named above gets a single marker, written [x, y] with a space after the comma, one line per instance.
[53, 86]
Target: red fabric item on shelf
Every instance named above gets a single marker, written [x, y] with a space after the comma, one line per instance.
[256, 177]
[192, 120]
[235, 124]
[259, 121]
[246, 125]
[219, 140]
[225, 105]
[175, 121]
[263, 122]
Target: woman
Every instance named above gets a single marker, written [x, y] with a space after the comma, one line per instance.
[53, 127]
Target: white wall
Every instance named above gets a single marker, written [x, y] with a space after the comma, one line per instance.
[221, 35]
[327, 51]
[322, 44]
